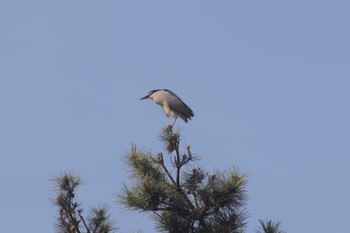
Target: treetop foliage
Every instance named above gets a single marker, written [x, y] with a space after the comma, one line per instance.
[184, 198]
[181, 196]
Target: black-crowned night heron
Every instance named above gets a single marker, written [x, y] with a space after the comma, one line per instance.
[171, 104]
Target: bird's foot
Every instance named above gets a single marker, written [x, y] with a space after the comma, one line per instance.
[168, 127]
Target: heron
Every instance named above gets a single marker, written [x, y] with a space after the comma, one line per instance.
[171, 104]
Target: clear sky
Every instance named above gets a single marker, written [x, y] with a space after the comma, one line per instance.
[268, 82]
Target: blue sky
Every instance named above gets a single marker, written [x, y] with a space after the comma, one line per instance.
[268, 82]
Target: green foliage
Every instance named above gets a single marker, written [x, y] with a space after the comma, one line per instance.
[181, 196]
[269, 227]
[171, 139]
[191, 200]
[70, 214]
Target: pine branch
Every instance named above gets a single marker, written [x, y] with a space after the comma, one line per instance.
[160, 160]
[269, 227]
[83, 220]
[184, 200]
[70, 213]
[172, 142]
[67, 220]
[99, 220]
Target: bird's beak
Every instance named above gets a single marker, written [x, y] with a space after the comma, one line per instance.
[145, 97]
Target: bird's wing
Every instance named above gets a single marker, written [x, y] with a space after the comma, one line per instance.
[176, 104]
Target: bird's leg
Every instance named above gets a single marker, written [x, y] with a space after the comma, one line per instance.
[171, 126]
[173, 122]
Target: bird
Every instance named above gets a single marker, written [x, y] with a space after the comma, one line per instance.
[171, 104]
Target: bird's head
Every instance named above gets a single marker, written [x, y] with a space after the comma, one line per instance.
[150, 95]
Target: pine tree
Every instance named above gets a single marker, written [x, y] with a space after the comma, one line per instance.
[181, 196]
[70, 217]
[189, 199]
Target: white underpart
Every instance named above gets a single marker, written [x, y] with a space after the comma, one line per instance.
[168, 112]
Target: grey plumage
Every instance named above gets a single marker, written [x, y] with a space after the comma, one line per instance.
[171, 104]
